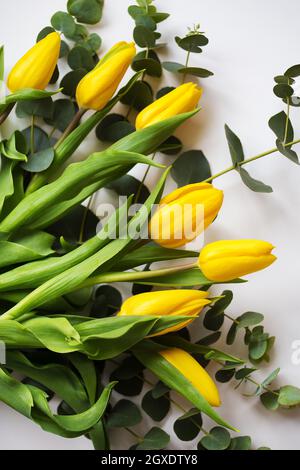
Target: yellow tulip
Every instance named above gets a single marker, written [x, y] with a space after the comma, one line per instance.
[184, 214]
[169, 302]
[229, 259]
[181, 100]
[36, 67]
[98, 86]
[194, 373]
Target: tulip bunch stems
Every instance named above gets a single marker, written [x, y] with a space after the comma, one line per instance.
[249, 160]
[136, 199]
[133, 276]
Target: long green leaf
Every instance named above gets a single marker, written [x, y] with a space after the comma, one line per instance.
[15, 394]
[68, 146]
[148, 354]
[25, 248]
[32, 275]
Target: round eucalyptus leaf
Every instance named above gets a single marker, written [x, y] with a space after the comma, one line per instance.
[210, 339]
[62, 21]
[150, 64]
[128, 369]
[63, 112]
[41, 140]
[128, 185]
[188, 426]
[257, 349]
[144, 37]
[55, 76]
[39, 161]
[107, 302]
[269, 401]
[86, 11]
[283, 79]
[124, 414]
[192, 42]
[113, 127]
[129, 388]
[278, 125]
[231, 335]
[225, 375]
[289, 396]
[283, 91]
[80, 58]
[146, 21]
[243, 373]
[93, 42]
[212, 321]
[293, 72]
[217, 439]
[171, 146]
[190, 167]
[70, 81]
[40, 108]
[196, 72]
[240, 443]
[64, 49]
[44, 32]
[139, 96]
[164, 91]
[155, 439]
[81, 32]
[156, 408]
[159, 390]
[69, 226]
[249, 319]
[173, 67]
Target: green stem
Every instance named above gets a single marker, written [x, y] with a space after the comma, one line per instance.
[267, 389]
[52, 132]
[86, 210]
[73, 124]
[133, 276]
[139, 438]
[186, 65]
[136, 199]
[249, 160]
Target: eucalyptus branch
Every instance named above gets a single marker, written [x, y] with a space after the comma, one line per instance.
[249, 160]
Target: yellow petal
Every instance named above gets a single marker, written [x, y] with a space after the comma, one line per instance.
[183, 99]
[194, 373]
[36, 67]
[229, 259]
[184, 214]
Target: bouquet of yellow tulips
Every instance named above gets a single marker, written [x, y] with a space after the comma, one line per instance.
[64, 325]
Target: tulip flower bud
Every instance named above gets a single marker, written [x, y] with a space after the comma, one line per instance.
[184, 214]
[229, 259]
[181, 100]
[36, 67]
[194, 373]
[98, 86]
[168, 302]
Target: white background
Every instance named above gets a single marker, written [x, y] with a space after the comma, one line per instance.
[250, 43]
